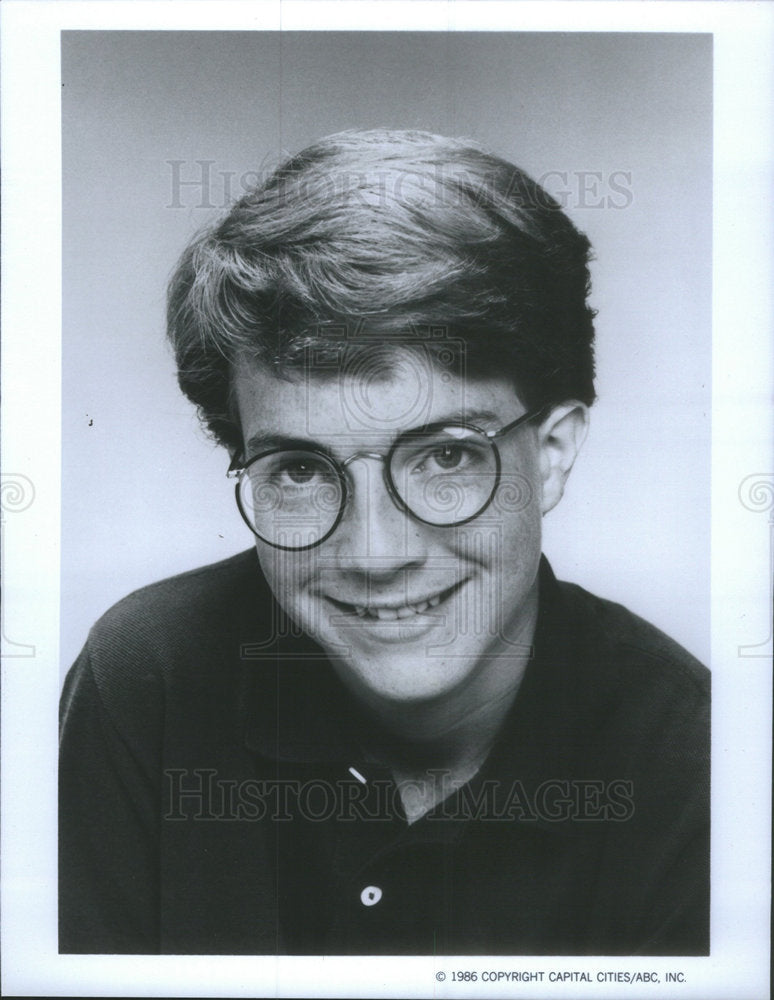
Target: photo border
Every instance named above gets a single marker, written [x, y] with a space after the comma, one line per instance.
[742, 499]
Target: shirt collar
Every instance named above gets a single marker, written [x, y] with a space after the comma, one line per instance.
[293, 708]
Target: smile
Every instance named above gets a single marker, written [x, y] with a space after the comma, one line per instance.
[392, 611]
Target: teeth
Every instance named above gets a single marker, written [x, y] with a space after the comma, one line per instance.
[392, 614]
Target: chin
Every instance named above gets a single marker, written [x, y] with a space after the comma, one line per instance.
[401, 683]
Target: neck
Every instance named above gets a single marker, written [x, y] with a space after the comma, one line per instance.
[452, 736]
[427, 771]
[421, 736]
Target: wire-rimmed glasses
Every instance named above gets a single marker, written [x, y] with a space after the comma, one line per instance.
[293, 496]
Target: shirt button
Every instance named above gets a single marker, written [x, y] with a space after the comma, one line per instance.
[371, 895]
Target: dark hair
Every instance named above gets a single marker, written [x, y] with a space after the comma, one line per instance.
[393, 235]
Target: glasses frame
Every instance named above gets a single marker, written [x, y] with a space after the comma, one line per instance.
[238, 469]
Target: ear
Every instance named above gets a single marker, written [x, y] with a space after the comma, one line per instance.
[560, 437]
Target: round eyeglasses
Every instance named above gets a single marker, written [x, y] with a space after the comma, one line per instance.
[294, 496]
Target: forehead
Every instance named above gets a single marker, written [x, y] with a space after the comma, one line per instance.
[364, 401]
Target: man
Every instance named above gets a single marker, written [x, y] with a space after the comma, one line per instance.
[386, 728]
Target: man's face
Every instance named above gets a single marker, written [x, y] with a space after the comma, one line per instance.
[408, 612]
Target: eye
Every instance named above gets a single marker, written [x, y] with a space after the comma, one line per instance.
[456, 451]
[448, 456]
[442, 457]
[300, 471]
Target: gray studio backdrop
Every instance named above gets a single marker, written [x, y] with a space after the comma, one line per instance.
[162, 129]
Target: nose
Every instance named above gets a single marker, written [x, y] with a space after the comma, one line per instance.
[376, 534]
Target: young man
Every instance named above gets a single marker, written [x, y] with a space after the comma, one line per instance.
[386, 728]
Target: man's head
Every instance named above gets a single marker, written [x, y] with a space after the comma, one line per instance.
[376, 284]
[388, 237]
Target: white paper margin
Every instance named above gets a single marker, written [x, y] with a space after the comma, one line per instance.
[742, 490]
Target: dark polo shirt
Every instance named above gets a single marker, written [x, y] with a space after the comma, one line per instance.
[218, 793]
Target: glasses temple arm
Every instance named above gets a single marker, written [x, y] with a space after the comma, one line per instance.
[523, 419]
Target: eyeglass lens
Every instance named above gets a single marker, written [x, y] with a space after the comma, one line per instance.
[294, 498]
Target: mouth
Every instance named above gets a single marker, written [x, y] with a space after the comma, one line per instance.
[389, 611]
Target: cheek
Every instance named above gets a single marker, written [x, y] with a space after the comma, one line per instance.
[507, 544]
[285, 572]
[517, 505]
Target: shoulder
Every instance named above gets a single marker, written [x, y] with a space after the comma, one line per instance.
[185, 596]
[635, 643]
[633, 693]
[181, 610]
[181, 630]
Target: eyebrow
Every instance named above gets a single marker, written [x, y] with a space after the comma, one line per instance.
[266, 441]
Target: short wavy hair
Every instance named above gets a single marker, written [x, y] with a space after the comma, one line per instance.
[389, 235]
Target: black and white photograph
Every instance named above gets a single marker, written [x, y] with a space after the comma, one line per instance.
[402, 610]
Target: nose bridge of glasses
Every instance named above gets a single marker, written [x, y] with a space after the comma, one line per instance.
[363, 505]
[363, 454]
[375, 456]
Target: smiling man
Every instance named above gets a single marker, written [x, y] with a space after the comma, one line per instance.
[386, 728]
